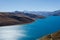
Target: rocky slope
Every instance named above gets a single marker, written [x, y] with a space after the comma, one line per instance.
[11, 18]
[54, 36]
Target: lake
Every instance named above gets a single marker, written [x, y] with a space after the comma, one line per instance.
[31, 31]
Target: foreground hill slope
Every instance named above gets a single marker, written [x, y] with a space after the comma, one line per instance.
[54, 36]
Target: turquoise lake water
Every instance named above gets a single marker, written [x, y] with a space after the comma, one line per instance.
[31, 31]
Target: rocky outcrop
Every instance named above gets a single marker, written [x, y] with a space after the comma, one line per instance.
[54, 36]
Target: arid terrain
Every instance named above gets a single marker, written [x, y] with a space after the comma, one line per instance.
[11, 18]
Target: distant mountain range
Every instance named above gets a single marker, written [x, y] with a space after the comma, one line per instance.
[43, 13]
[56, 13]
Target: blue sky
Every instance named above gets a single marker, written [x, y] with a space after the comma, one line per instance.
[29, 5]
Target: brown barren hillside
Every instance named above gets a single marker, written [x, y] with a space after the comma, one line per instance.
[8, 18]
